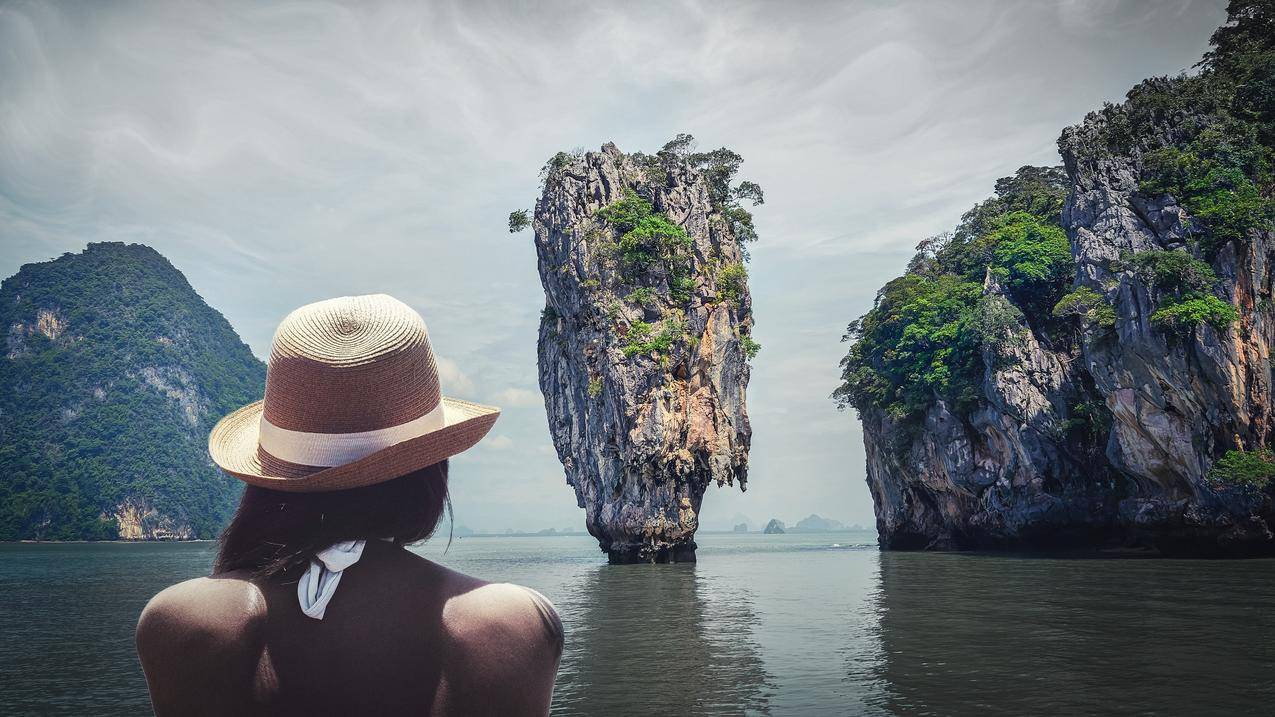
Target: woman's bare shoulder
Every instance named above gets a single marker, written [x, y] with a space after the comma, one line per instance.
[206, 613]
[200, 642]
[506, 641]
[488, 614]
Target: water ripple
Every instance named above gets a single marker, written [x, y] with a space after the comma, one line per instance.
[789, 624]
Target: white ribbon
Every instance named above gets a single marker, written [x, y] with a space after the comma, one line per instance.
[325, 450]
[318, 583]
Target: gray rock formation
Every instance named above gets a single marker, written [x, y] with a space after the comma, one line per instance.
[1105, 438]
[139, 519]
[774, 527]
[1176, 401]
[643, 344]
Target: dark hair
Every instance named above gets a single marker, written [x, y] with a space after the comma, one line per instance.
[273, 531]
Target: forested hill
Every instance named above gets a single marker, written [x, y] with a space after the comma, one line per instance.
[1085, 359]
[114, 371]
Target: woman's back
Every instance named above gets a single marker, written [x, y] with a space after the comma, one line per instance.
[347, 450]
[401, 635]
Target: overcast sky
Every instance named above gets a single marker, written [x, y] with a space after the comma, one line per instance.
[284, 153]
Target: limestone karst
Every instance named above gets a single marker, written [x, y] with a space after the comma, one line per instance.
[645, 337]
[1086, 360]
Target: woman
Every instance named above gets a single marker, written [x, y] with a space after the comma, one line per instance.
[346, 461]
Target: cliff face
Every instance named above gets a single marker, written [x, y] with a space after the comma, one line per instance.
[1010, 471]
[1138, 411]
[114, 372]
[1029, 467]
[643, 345]
[1177, 402]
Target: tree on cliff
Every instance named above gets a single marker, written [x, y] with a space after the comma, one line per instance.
[924, 338]
[718, 168]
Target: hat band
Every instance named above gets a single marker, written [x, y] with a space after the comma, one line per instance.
[325, 450]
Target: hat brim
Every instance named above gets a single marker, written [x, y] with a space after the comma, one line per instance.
[233, 447]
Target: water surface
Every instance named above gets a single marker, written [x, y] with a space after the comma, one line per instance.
[790, 624]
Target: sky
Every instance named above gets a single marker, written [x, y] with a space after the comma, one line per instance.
[283, 153]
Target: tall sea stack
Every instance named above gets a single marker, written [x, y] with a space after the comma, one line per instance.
[645, 337]
[1086, 360]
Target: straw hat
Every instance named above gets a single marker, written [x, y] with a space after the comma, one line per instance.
[352, 399]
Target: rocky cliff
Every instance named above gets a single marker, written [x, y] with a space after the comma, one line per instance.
[1086, 360]
[113, 373]
[645, 337]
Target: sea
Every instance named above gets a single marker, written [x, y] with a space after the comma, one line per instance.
[795, 624]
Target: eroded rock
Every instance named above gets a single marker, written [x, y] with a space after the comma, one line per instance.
[1026, 468]
[642, 360]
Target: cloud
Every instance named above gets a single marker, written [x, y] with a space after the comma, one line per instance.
[453, 380]
[498, 443]
[518, 397]
[283, 153]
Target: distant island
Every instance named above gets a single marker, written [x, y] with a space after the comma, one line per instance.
[810, 524]
[816, 524]
[462, 531]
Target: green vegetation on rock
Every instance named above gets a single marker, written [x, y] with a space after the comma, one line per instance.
[1184, 285]
[998, 324]
[924, 337]
[681, 284]
[641, 296]
[1087, 305]
[914, 345]
[1188, 312]
[731, 282]
[1032, 257]
[646, 236]
[1218, 161]
[651, 249]
[718, 167]
[115, 371]
[644, 338]
[1253, 469]
[519, 219]
[922, 341]
[1173, 271]
[1215, 178]
[620, 262]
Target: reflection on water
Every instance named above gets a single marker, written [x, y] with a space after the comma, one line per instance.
[978, 634]
[783, 625]
[654, 636]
